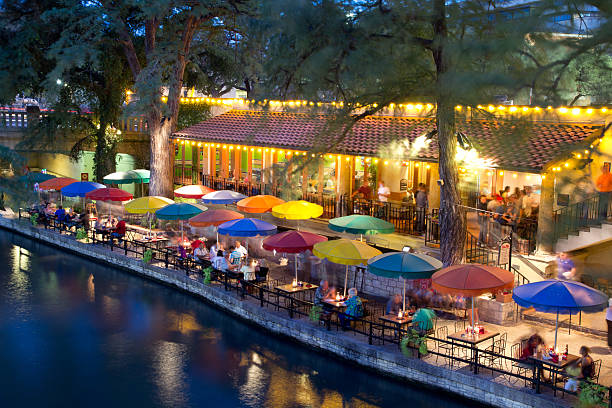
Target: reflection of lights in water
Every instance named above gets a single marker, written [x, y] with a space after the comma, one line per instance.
[169, 373]
[256, 381]
[19, 281]
[305, 394]
[91, 288]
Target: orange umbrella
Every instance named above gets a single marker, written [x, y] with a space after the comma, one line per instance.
[214, 218]
[56, 183]
[258, 204]
[471, 280]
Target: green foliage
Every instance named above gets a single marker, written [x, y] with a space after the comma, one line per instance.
[191, 114]
[414, 340]
[81, 234]
[315, 313]
[207, 273]
[34, 219]
[147, 256]
[591, 395]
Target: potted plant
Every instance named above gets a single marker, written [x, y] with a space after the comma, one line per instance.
[34, 219]
[81, 235]
[207, 273]
[315, 313]
[147, 256]
[504, 296]
[414, 341]
[591, 395]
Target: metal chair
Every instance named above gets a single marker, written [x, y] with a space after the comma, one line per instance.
[521, 368]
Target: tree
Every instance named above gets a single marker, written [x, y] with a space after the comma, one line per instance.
[372, 53]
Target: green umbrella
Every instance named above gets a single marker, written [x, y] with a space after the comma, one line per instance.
[128, 177]
[424, 317]
[180, 211]
[404, 265]
[35, 177]
[361, 224]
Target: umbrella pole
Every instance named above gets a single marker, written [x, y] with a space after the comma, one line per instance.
[556, 329]
[296, 278]
[473, 322]
[182, 236]
[404, 305]
[345, 280]
[149, 217]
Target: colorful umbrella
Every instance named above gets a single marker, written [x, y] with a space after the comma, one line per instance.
[258, 204]
[80, 188]
[128, 177]
[345, 252]
[214, 218]
[472, 280]
[297, 210]
[424, 317]
[292, 242]
[361, 224]
[147, 204]
[192, 191]
[179, 211]
[56, 183]
[560, 296]
[405, 265]
[222, 197]
[109, 194]
[35, 177]
[246, 227]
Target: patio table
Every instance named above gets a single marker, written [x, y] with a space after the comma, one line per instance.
[290, 289]
[158, 243]
[395, 321]
[473, 340]
[554, 368]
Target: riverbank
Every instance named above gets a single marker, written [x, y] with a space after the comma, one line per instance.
[384, 359]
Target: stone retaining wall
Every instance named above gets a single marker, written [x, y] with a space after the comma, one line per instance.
[339, 344]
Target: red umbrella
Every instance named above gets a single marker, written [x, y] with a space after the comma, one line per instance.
[214, 218]
[471, 280]
[192, 191]
[292, 242]
[109, 194]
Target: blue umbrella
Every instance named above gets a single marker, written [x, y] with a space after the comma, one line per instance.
[80, 188]
[246, 227]
[222, 197]
[405, 265]
[560, 296]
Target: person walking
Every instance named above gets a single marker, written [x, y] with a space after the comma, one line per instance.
[604, 186]
[609, 321]
[483, 220]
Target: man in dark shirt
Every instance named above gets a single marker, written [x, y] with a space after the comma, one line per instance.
[483, 219]
[60, 213]
[421, 207]
[365, 190]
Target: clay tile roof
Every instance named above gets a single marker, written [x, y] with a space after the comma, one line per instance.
[504, 144]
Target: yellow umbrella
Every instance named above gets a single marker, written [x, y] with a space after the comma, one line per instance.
[345, 252]
[297, 210]
[148, 204]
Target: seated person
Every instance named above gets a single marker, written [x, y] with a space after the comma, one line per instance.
[354, 309]
[196, 243]
[60, 214]
[586, 371]
[120, 229]
[534, 343]
[235, 256]
[219, 262]
[248, 269]
[100, 224]
[216, 247]
[394, 305]
[200, 252]
[84, 219]
[323, 292]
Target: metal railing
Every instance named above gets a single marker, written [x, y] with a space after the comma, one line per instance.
[493, 359]
[585, 214]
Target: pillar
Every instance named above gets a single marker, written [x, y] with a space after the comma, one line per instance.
[343, 175]
[195, 164]
[237, 164]
[250, 164]
[224, 173]
[545, 237]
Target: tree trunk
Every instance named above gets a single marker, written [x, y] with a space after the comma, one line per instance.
[452, 223]
[162, 155]
[104, 156]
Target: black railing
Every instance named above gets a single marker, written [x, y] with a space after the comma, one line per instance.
[575, 217]
[406, 218]
[244, 187]
[432, 231]
[494, 359]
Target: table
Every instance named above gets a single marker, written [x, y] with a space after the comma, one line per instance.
[473, 340]
[335, 303]
[146, 242]
[105, 232]
[290, 289]
[392, 318]
[540, 362]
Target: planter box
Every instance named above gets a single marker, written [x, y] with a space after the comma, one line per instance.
[503, 298]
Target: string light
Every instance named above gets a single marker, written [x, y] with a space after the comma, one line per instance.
[501, 173]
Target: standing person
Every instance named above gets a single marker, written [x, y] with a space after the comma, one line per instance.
[609, 321]
[365, 190]
[483, 220]
[566, 269]
[604, 186]
[394, 305]
[243, 251]
[421, 207]
[505, 193]
[383, 192]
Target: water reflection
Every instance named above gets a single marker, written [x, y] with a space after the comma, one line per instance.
[85, 332]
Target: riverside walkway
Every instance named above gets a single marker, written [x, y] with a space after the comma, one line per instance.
[496, 385]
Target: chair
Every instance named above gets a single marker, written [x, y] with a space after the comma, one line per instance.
[447, 348]
[459, 325]
[521, 368]
[498, 347]
[587, 280]
[261, 275]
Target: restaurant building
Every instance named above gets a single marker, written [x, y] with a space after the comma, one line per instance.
[253, 147]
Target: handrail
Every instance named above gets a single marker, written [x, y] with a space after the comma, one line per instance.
[373, 331]
[580, 215]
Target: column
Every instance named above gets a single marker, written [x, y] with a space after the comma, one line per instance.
[237, 164]
[224, 173]
[250, 164]
[195, 164]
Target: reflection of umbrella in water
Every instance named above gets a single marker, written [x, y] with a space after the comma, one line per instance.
[345, 252]
[560, 297]
[405, 265]
[292, 242]
[472, 280]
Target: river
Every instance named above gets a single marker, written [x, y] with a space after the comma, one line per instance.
[76, 333]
